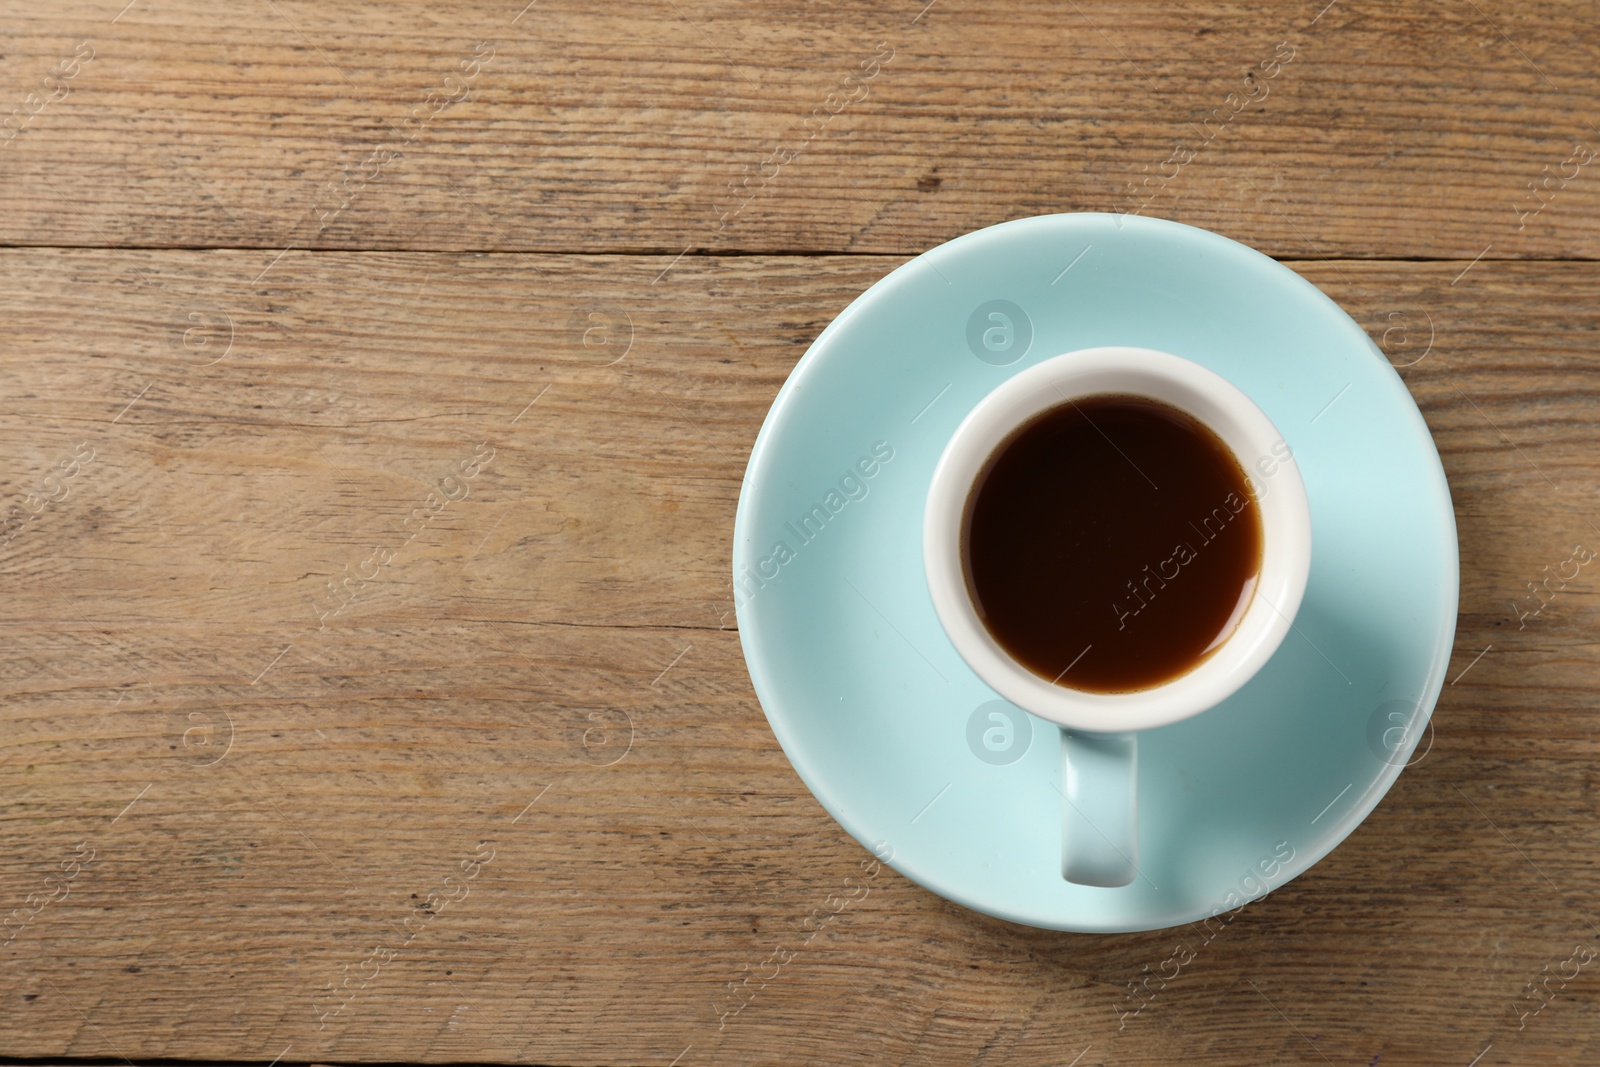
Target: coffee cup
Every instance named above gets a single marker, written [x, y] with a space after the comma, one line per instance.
[1099, 729]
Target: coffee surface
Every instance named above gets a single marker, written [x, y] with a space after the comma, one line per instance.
[1111, 543]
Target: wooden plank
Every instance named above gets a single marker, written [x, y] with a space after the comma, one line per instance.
[1309, 129]
[254, 802]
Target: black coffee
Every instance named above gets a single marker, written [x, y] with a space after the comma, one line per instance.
[1111, 543]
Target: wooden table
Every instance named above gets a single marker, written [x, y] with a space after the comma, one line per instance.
[376, 386]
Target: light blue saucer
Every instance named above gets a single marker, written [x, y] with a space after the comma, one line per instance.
[902, 743]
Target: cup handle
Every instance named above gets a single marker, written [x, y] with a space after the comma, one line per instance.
[1100, 812]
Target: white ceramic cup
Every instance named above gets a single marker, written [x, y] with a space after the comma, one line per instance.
[1098, 730]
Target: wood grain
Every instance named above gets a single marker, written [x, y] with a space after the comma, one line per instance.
[376, 392]
[548, 670]
[1381, 131]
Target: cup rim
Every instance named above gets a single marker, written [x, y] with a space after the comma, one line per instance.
[1274, 482]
